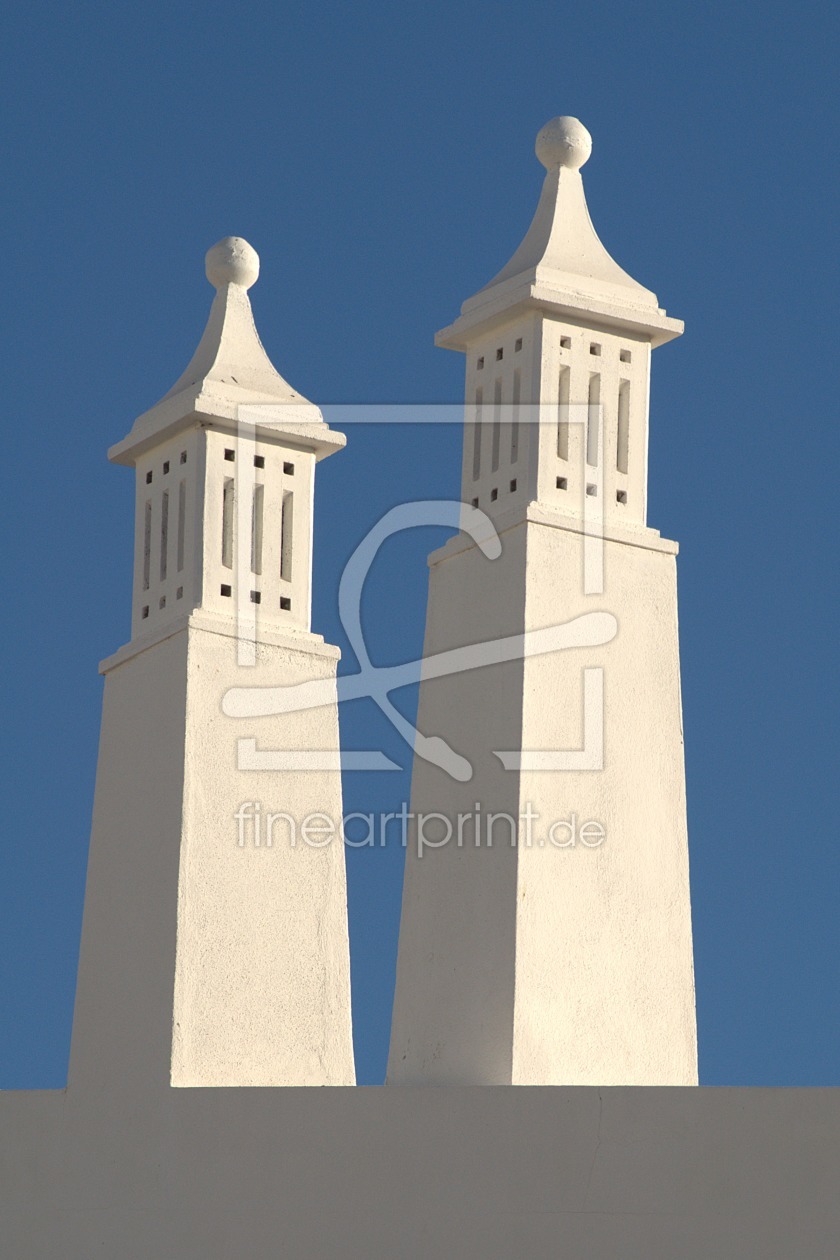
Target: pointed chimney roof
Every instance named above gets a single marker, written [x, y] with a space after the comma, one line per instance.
[561, 264]
[230, 370]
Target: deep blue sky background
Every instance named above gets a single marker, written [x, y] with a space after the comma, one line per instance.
[380, 158]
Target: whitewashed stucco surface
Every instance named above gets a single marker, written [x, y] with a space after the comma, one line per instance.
[423, 1174]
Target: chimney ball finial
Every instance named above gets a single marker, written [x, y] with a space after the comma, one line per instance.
[563, 142]
[232, 261]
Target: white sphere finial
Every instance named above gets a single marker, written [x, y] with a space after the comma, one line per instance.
[232, 261]
[563, 142]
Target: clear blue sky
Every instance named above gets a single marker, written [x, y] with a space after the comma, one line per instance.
[380, 158]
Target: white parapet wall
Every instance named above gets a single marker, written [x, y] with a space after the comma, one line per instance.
[479, 1174]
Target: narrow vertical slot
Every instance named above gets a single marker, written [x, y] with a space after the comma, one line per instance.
[182, 522]
[147, 545]
[476, 468]
[257, 529]
[164, 533]
[286, 530]
[497, 424]
[563, 414]
[514, 424]
[622, 450]
[227, 523]
[593, 420]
